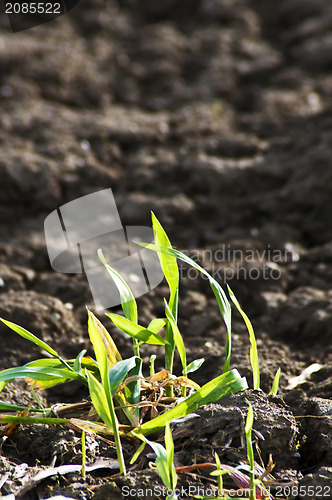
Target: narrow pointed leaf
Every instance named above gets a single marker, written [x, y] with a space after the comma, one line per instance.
[77, 366]
[276, 380]
[156, 325]
[97, 341]
[15, 419]
[128, 301]
[170, 455]
[250, 451]
[227, 383]
[249, 420]
[253, 346]
[11, 407]
[118, 372]
[177, 337]
[137, 453]
[161, 462]
[53, 363]
[136, 331]
[38, 373]
[86, 363]
[31, 337]
[96, 328]
[168, 264]
[223, 303]
[195, 365]
[99, 400]
[102, 391]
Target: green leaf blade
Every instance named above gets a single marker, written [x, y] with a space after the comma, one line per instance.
[170, 455]
[57, 375]
[136, 331]
[161, 462]
[128, 301]
[31, 337]
[253, 345]
[168, 264]
[156, 325]
[223, 303]
[11, 407]
[119, 371]
[177, 338]
[99, 400]
[227, 383]
[276, 381]
[77, 366]
[195, 365]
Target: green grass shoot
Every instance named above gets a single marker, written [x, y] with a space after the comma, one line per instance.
[101, 393]
[250, 452]
[219, 387]
[164, 461]
[253, 346]
[128, 302]
[275, 384]
[223, 303]
[171, 272]
[113, 381]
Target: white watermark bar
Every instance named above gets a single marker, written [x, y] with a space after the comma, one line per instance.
[187, 492]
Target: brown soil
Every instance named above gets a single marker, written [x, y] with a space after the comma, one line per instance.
[216, 115]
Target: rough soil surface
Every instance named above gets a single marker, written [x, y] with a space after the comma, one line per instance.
[216, 115]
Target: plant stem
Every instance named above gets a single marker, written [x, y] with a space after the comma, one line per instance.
[115, 425]
[83, 454]
[136, 347]
[14, 419]
[152, 360]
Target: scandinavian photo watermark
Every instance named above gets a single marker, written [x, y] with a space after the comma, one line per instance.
[75, 231]
[226, 263]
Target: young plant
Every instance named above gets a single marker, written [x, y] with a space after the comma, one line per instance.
[113, 381]
[219, 387]
[127, 298]
[250, 452]
[219, 473]
[102, 392]
[164, 461]
[223, 303]
[275, 385]
[171, 272]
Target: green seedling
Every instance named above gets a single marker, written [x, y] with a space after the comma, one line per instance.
[250, 452]
[253, 346]
[223, 303]
[219, 387]
[101, 392]
[128, 301]
[114, 382]
[275, 385]
[219, 473]
[164, 460]
[171, 272]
